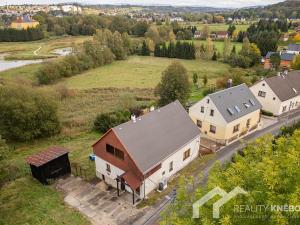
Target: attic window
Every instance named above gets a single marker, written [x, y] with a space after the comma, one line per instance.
[231, 112]
[237, 108]
[263, 84]
[246, 105]
[252, 102]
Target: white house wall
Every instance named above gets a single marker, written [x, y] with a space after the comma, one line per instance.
[271, 102]
[178, 163]
[110, 177]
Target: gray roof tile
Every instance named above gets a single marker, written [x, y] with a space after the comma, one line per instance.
[157, 135]
[235, 102]
[283, 86]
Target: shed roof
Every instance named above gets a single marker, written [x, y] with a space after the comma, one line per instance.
[285, 86]
[157, 135]
[284, 56]
[235, 102]
[294, 47]
[46, 156]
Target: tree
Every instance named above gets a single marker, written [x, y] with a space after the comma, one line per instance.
[209, 49]
[145, 50]
[105, 121]
[205, 31]
[174, 85]
[140, 28]
[157, 52]
[214, 57]
[27, 114]
[231, 29]
[118, 46]
[3, 149]
[195, 78]
[204, 80]
[254, 54]
[226, 48]
[275, 60]
[258, 170]
[153, 34]
[245, 47]
[296, 63]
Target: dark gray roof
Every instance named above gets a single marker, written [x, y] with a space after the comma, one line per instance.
[286, 86]
[283, 56]
[287, 56]
[157, 135]
[235, 102]
[269, 54]
[294, 47]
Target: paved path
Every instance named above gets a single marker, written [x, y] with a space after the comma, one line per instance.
[224, 155]
[99, 205]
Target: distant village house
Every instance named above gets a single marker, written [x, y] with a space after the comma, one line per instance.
[24, 22]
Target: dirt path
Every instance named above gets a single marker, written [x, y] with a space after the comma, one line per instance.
[37, 50]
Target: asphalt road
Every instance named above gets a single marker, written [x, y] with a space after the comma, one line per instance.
[225, 155]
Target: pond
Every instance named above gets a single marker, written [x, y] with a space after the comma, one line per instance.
[62, 51]
[10, 64]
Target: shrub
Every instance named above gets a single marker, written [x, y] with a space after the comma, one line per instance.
[3, 149]
[105, 121]
[48, 73]
[267, 113]
[26, 114]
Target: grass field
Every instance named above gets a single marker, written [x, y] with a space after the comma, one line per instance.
[140, 72]
[25, 201]
[25, 50]
[219, 45]
[217, 26]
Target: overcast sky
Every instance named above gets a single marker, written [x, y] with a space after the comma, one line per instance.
[213, 3]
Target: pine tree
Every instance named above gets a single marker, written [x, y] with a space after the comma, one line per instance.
[157, 51]
[214, 57]
[145, 50]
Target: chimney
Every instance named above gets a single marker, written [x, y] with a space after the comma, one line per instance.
[133, 118]
[229, 83]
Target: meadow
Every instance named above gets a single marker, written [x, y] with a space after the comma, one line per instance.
[219, 45]
[217, 26]
[38, 49]
[141, 72]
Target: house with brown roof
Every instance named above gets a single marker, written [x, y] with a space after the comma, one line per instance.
[279, 94]
[140, 155]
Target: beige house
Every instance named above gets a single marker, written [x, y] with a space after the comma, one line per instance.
[227, 115]
[279, 94]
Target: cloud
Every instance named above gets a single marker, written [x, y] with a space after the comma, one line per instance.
[212, 3]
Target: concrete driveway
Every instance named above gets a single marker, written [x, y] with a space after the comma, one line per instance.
[99, 204]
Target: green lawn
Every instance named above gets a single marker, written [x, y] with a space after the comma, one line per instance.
[218, 26]
[24, 72]
[219, 45]
[140, 72]
[25, 201]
